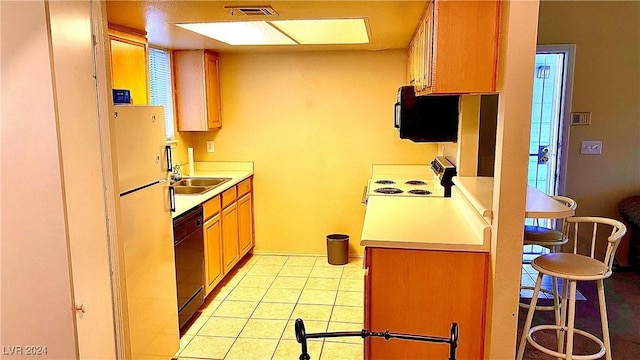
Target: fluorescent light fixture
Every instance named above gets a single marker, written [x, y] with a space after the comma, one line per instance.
[241, 33]
[325, 31]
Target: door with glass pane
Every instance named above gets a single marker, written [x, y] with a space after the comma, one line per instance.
[553, 73]
[545, 122]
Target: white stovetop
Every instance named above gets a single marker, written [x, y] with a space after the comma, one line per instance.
[400, 174]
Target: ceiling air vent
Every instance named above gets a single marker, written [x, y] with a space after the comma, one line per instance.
[263, 10]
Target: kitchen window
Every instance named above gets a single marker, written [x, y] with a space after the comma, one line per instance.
[160, 86]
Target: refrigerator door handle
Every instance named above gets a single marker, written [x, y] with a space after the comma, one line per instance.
[169, 159]
[172, 198]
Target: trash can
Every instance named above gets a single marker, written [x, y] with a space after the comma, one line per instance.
[337, 249]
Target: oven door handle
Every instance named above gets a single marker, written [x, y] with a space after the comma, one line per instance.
[364, 195]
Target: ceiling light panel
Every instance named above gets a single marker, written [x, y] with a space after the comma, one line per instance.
[240, 33]
[325, 31]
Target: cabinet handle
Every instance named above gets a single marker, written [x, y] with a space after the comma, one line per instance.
[82, 307]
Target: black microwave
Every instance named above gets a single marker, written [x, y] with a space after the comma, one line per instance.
[428, 118]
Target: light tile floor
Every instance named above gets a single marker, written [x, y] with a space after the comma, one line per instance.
[251, 314]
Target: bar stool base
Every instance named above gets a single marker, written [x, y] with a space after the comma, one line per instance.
[594, 356]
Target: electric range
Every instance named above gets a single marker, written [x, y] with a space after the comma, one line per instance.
[412, 180]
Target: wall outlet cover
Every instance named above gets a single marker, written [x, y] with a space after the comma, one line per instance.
[210, 147]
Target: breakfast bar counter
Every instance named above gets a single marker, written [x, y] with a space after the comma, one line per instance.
[479, 192]
[433, 223]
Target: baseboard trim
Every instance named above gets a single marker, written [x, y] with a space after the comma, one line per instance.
[281, 253]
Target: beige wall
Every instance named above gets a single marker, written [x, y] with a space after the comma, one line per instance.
[313, 123]
[37, 304]
[607, 84]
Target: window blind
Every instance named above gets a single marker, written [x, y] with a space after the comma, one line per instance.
[160, 86]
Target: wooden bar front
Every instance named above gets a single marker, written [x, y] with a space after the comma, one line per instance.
[422, 292]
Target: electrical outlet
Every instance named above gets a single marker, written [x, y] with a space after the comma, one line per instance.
[591, 147]
[210, 148]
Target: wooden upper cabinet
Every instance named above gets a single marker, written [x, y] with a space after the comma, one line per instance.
[197, 90]
[129, 63]
[456, 43]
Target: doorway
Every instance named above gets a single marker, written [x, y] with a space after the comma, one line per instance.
[551, 107]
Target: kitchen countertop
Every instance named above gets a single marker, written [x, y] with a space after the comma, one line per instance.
[479, 193]
[424, 223]
[478, 190]
[237, 171]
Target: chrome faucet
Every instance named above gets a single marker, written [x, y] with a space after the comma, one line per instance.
[176, 175]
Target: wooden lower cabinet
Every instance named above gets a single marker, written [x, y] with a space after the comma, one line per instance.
[245, 224]
[228, 231]
[213, 256]
[230, 248]
[422, 292]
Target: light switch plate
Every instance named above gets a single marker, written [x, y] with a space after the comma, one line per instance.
[210, 148]
[591, 147]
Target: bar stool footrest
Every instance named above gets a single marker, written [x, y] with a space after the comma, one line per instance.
[545, 350]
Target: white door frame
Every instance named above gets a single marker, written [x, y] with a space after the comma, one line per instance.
[569, 51]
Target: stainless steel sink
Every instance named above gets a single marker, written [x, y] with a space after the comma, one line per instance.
[191, 190]
[197, 186]
[201, 181]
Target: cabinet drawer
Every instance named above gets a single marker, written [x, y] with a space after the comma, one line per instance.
[229, 196]
[211, 207]
[244, 187]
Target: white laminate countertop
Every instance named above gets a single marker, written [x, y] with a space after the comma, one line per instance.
[237, 171]
[479, 192]
[424, 223]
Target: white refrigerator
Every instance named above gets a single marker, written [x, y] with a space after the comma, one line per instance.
[146, 232]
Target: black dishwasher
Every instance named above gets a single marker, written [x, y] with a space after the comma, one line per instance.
[188, 241]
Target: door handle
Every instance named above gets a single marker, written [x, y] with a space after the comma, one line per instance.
[543, 154]
[169, 159]
[82, 307]
[172, 198]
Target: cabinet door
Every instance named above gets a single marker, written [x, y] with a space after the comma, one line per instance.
[230, 250]
[129, 60]
[420, 54]
[458, 43]
[213, 90]
[212, 252]
[422, 292]
[197, 90]
[245, 223]
[427, 60]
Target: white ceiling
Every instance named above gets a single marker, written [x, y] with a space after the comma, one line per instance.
[391, 23]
